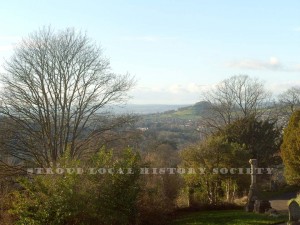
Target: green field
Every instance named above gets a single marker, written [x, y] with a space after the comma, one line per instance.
[189, 112]
[226, 217]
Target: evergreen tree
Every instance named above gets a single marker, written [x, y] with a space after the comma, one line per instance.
[261, 138]
[290, 149]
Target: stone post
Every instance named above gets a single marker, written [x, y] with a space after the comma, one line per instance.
[253, 163]
[252, 196]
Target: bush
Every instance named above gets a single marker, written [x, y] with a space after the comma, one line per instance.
[81, 199]
[153, 203]
[290, 149]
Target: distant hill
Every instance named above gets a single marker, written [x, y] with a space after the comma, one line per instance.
[164, 111]
[188, 112]
[196, 109]
[145, 109]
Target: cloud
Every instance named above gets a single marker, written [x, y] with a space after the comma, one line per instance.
[188, 93]
[191, 93]
[272, 64]
[176, 88]
[274, 61]
[297, 67]
[279, 87]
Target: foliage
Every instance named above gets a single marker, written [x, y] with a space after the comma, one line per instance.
[290, 149]
[159, 191]
[6, 187]
[297, 199]
[154, 203]
[81, 198]
[261, 138]
[215, 152]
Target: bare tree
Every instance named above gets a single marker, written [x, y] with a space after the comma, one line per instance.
[288, 103]
[54, 88]
[234, 98]
[290, 99]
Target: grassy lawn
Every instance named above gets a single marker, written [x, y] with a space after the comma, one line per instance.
[226, 217]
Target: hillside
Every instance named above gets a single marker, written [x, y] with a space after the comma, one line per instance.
[176, 126]
[186, 113]
[144, 109]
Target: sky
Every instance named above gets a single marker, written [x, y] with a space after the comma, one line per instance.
[175, 49]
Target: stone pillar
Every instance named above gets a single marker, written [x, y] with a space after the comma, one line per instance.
[252, 196]
[253, 163]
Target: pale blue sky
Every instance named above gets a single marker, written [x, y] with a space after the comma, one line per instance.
[175, 48]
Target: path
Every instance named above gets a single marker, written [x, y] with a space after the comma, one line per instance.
[280, 202]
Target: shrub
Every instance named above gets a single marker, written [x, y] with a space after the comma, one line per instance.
[290, 149]
[81, 199]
